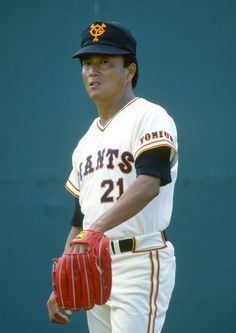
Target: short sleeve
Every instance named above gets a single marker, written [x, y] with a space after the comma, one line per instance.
[156, 129]
[72, 185]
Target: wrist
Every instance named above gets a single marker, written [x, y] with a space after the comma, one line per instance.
[98, 226]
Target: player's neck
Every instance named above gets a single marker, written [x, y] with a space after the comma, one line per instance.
[109, 108]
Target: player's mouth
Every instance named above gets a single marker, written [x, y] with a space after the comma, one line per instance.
[94, 84]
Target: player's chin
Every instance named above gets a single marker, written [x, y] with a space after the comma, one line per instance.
[95, 95]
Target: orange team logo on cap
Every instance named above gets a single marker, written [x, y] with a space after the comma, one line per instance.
[97, 30]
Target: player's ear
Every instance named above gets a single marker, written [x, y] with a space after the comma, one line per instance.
[131, 71]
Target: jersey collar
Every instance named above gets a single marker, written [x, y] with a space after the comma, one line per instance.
[102, 128]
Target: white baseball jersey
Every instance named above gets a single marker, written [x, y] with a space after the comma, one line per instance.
[103, 166]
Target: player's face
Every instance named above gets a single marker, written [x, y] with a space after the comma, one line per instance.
[104, 77]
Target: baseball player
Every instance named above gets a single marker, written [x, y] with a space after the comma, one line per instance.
[123, 174]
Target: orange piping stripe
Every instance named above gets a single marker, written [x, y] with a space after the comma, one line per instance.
[145, 250]
[69, 181]
[69, 190]
[153, 249]
[128, 104]
[149, 148]
[134, 245]
[156, 295]
[151, 292]
[142, 149]
[101, 129]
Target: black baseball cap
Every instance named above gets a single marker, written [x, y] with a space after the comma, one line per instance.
[103, 37]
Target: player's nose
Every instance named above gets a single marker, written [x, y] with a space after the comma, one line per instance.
[93, 69]
[93, 73]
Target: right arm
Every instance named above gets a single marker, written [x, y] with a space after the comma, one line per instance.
[55, 315]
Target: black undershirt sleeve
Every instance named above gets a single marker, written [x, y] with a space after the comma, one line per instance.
[155, 162]
[77, 217]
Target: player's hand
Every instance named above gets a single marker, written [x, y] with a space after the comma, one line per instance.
[78, 248]
[55, 315]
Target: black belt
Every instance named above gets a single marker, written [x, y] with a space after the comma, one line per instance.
[127, 244]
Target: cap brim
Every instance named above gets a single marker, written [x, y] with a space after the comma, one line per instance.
[100, 49]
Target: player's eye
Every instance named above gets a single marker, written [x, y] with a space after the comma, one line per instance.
[104, 60]
[86, 62]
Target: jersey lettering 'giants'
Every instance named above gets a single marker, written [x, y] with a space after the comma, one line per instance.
[106, 158]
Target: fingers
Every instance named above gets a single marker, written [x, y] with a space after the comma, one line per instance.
[59, 318]
[55, 316]
[79, 248]
[69, 312]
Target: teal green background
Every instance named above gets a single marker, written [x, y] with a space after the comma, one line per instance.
[186, 52]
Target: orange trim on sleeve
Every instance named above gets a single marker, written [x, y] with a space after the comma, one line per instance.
[76, 196]
[150, 146]
[72, 189]
[69, 181]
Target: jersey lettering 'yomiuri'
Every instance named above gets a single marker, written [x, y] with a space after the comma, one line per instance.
[156, 135]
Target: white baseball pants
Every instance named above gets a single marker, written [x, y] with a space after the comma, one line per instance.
[142, 284]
